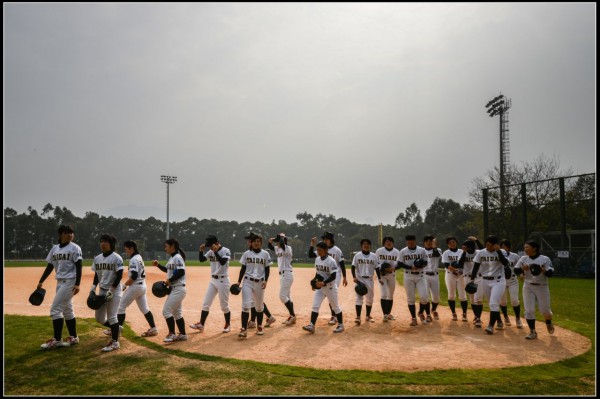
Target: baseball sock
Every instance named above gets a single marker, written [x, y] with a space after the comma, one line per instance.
[58, 326]
[313, 318]
[72, 327]
[259, 318]
[421, 308]
[227, 318]
[390, 304]
[531, 324]
[478, 309]
[517, 310]
[504, 311]
[428, 308]
[245, 316]
[253, 314]
[114, 330]
[494, 316]
[150, 319]
[369, 310]
[452, 304]
[384, 306]
[266, 310]
[339, 318]
[290, 307]
[358, 311]
[171, 324]
[181, 325]
[121, 319]
[332, 312]
[203, 316]
[549, 322]
[107, 324]
[463, 305]
[434, 306]
[412, 309]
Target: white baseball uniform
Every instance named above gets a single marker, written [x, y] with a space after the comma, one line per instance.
[173, 306]
[535, 288]
[365, 265]
[454, 280]
[512, 284]
[106, 268]
[137, 290]
[252, 290]
[467, 270]
[338, 256]
[63, 259]
[219, 280]
[431, 274]
[389, 280]
[414, 281]
[326, 267]
[492, 283]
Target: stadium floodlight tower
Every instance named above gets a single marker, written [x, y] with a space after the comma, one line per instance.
[499, 106]
[168, 180]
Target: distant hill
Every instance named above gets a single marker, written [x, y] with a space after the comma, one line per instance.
[144, 212]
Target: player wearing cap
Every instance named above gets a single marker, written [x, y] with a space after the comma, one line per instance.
[453, 278]
[363, 268]
[434, 256]
[466, 261]
[412, 258]
[386, 275]
[286, 274]
[270, 318]
[337, 255]
[218, 257]
[512, 288]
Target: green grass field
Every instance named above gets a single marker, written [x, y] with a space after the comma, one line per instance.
[156, 370]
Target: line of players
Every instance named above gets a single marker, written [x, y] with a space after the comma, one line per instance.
[492, 266]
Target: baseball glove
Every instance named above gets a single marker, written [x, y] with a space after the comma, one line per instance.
[37, 297]
[385, 268]
[535, 269]
[313, 282]
[361, 289]
[420, 263]
[95, 301]
[458, 267]
[160, 289]
[235, 289]
[471, 288]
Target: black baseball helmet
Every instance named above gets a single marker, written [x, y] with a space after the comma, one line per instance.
[235, 289]
[471, 288]
[95, 301]
[37, 297]
[210, 240]
[160, 289]
[535, 269]
[361, 288]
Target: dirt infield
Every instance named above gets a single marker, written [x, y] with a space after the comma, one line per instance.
[443, 344]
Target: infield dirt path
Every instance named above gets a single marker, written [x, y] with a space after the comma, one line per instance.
[443, 344]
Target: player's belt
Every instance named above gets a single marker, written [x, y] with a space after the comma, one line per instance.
[216, 276]
[414, 272]
[140, 283]
[365, 276]
[256, 280]
[492, 277]
[431, 273]
[536, 284]
[284, 271]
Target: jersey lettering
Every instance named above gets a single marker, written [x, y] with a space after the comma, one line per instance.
[60, 256]
[105, 266]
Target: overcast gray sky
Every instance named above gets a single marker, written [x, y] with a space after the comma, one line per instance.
[265, 110]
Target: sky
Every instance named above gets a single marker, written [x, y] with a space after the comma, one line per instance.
[266, 110]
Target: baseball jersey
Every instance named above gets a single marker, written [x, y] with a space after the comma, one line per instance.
[513, 258]
[365, 264]
[408, 256]
[106, 267]
[326, 267]
[64, 259]
[490, 265]
[386, 256]
[450, 256]
[540, 260]
[284, 258]
[433, 262]
[136, 264]
[175, 263]
[468, 265]
[255, 263]
[216, 268]
[336, 254]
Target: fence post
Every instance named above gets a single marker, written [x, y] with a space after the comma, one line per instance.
[563, 214]
[486, 226]
[524, 202]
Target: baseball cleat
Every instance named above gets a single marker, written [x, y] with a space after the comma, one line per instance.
[310, 328]
[70, 341]
[197, 326]
[464, 317]
[111, 346]
[109, 332]
[227, 328]
[391, 317]
[519, 323]
[454, 317]
[357, 321]
[500, 325]
[550, 328]
[242, 333]
[532, 335]
[429, 319]
[270, 321]
[51, 344]
[251, 324]
[436, 315]
[290, 320]
[170, 338]
[507, 322]
[370, 319]
[422, 317]
[259, 330]
[478, 323]
[385, 318]
[181, 337]
[413, 322]
[489, 330]
[151, 332]
[332, 321]
[339, 328]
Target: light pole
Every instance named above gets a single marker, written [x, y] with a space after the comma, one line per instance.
[499, 106]
[168, 180]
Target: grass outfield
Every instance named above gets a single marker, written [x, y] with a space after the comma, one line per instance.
[156, 370]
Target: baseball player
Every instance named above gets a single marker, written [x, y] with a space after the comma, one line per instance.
[512, 287]
[363, 268]
[255, 270]
[286, 274]
[388, 259]
[134, 289]
[414, 277]
[66, 258]
[327, 268]
[337, 255]
[173, 308]
[535, 288]
[453, 278]
[490, 261]
[270, 318]
[434, 256]
[466, 261]
[218, 256]
[108, 272]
